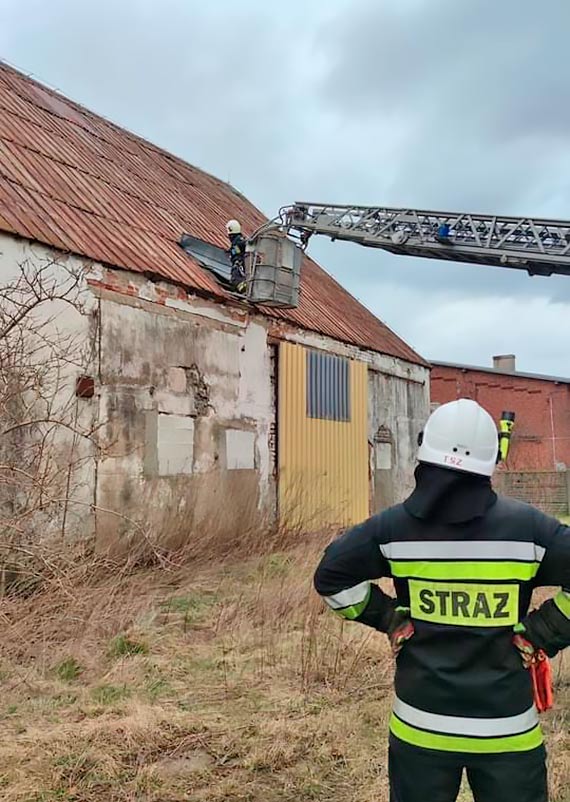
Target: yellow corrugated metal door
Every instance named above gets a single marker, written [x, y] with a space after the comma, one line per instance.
[323, 443]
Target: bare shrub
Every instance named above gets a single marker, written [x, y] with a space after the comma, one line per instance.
[47, 435]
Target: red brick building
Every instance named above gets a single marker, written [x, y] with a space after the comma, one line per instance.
[541, 439]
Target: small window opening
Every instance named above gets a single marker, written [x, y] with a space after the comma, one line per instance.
[328, 386]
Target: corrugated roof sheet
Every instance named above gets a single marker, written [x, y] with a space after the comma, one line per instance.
[73, 180]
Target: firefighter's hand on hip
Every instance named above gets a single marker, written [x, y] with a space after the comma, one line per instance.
[525, 647]
[401, 629]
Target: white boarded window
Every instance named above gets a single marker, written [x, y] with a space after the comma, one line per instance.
[383, 456]
[240, 450]
[175, 445]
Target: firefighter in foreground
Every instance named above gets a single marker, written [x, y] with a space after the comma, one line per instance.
[464, 563]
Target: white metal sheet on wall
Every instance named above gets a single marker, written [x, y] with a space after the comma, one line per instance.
[175, 441]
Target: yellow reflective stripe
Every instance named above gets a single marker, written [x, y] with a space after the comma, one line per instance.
[562, 601]
[522, 742]
[489, 570]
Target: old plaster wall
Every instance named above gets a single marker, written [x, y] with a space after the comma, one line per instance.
[397, 411]
[188, 404]
[187, 387]
[63, 350]
[184, 397]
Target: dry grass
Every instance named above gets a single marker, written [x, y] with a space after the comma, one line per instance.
[201, 684]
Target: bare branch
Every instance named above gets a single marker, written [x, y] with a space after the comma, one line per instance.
[47, 436]
[63, 424]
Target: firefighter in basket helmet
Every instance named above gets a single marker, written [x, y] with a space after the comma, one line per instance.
[237, 255]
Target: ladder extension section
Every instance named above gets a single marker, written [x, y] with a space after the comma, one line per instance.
[541, 247]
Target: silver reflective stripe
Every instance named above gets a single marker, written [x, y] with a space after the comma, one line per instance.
[348, 597]
[464, 550]
[459, 725]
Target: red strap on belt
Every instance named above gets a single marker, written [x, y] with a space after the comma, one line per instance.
[541, 674]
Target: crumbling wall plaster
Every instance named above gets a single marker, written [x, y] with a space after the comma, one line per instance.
[158, 350]
[397, 411]
[161, 362]
[69, 336]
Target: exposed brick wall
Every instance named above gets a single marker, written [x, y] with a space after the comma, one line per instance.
[541, 439]
[547, 490]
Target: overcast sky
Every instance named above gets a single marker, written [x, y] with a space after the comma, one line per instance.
[441, 104]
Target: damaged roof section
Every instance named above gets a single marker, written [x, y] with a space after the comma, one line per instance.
[79, 183]
[208, 256]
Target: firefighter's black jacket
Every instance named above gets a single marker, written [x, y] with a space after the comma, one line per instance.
[460, 683]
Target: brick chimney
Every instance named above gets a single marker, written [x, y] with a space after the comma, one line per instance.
[505, 363]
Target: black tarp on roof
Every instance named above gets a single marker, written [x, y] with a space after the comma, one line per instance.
[208, 256]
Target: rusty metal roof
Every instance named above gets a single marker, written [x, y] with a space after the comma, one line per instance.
[75, 181]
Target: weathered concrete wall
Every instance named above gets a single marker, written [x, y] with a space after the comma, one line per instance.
[397, 411]
[62, 353]
[188, 402]
[185, 400]
[154, 334]
[389, 365]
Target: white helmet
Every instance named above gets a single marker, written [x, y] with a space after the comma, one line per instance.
[460, 435]
[233, 227]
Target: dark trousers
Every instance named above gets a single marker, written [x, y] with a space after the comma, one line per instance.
[237, 274]
[425, 775]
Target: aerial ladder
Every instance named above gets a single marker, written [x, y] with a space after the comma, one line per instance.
[539, 246]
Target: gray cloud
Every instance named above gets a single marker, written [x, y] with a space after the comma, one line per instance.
[505, 59]
[431, 103]
[475, 94]
[477, 91]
